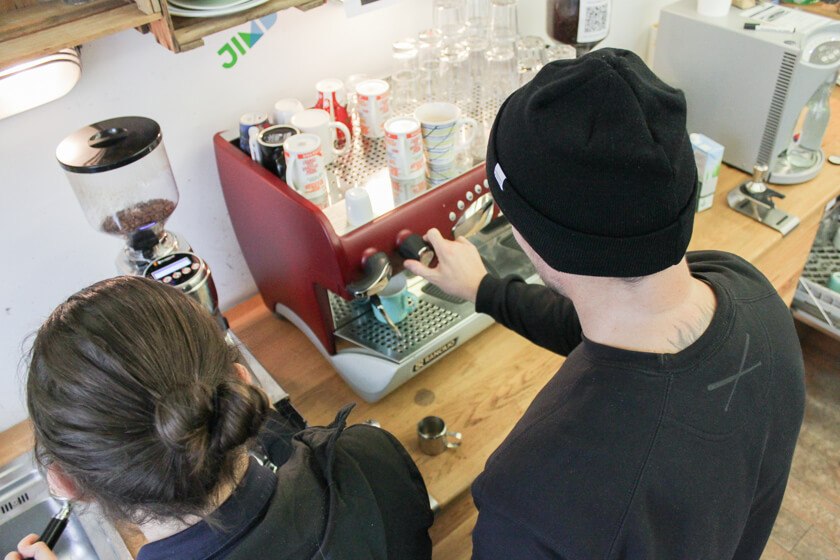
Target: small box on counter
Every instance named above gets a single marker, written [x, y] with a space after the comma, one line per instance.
[708, 155]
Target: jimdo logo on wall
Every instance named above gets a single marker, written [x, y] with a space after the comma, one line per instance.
[242, 41]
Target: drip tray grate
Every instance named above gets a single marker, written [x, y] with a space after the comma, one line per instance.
[421, 326]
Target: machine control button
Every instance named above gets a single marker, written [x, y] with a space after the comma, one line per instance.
[452, 216]
[195, 266]
[186, 270]
[176, 275]
[469, 196]
[167, 280]
[461, 205]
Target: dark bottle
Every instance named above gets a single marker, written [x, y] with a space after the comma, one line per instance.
[580, 23]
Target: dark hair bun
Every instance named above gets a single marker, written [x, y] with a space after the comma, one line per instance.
[182, 420]
[242, 409]
[198, 423]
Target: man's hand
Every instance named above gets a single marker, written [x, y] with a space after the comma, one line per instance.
[31, 547]
[459, 270]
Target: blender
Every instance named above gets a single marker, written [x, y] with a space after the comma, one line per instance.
[121, 175]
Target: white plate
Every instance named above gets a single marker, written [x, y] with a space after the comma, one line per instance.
[176, 11]
[205, 4]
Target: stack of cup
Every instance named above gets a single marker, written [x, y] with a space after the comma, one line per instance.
[305, 170]
[406, 158]
[442, 127]
[373, 105]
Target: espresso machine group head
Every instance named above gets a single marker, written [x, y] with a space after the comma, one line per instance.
[762, 91]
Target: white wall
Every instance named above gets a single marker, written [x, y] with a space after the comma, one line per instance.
[51, 251]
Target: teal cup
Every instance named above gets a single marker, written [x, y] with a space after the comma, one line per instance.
[396, 300]
[834, 281]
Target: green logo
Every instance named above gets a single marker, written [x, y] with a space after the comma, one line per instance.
[242, 41]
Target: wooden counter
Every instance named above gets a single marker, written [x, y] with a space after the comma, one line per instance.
[483, 388]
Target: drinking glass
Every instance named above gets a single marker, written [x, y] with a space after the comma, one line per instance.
[434, 77]
[529, 54]
[405, 90]
[448, 18]
[404, 54]
[477, 18]
[559, 52]
[458, 79]
[433, 72]
[503, 22]
[503, 70]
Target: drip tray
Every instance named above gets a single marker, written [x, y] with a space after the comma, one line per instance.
[426, 322]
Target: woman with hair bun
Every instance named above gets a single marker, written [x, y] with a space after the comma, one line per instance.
[140, 406]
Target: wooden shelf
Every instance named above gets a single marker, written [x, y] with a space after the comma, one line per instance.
[42, 28]
[181, 34]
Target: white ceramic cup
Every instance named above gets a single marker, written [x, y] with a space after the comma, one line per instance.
[404, 147]
[317, 121]
[359, 207]
[440, 123]
[305, 167]
[285, 109]
[373, 105]
[713, 8]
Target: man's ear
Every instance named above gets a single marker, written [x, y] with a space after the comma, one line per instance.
[61, 485]
[243, 373]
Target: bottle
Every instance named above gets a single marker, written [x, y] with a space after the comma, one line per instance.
[579, 23]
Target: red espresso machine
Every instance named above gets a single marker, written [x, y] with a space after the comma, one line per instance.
[315, 270]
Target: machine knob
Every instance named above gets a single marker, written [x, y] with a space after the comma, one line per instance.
[412, 246]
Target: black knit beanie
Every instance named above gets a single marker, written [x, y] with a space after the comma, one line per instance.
[591, 163]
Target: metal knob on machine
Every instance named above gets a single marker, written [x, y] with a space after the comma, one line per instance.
[412, 246]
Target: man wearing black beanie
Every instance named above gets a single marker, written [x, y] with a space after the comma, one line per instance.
[669, 430]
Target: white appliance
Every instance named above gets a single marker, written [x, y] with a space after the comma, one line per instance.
[763, 93]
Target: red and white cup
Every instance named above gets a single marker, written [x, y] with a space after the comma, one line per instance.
[404, 147]
[305, 170]
[373, 105]
[332, 98]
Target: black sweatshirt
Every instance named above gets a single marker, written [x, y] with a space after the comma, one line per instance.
[651, 456]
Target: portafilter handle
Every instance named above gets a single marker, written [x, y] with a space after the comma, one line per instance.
[377, 269]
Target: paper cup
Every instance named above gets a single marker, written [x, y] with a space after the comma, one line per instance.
[441, 123]
[372, 104]
[305, 167]
[404, 147]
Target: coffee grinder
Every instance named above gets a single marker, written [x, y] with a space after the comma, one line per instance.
[121, 175]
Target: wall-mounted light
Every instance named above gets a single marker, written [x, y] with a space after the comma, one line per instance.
[38, 81]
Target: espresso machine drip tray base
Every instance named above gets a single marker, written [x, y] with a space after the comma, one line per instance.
[422, 325]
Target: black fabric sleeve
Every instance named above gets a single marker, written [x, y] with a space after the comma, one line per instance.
[536, 312]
